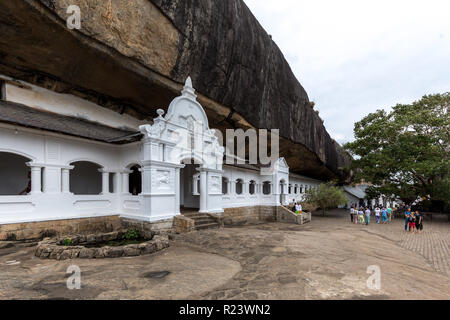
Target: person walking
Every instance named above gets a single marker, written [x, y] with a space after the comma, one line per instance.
[412, 222]
[361, 215]
[407, 215]
[419, 222]
[298, 208]
[384, 215]
[294, 207]
[377, 214]
[368, 212]
[389, 211]
[351, 214]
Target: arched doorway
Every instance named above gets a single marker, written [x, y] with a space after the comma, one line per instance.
[15, 176]
[85, 178]
[135, 180]
[189, 188]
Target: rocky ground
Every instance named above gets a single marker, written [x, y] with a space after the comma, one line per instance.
[325, 259]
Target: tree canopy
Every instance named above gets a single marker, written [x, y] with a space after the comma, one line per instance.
[405, 153]
[325, 196]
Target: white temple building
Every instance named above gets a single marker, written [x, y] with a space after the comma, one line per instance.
[62, 157]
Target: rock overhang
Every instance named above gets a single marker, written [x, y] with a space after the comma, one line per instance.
[241, 76]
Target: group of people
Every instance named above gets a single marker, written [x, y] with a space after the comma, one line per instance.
[361, 215]
[297, 208]
[413, 221]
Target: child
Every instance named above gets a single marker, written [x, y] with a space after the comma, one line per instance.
[412, 222]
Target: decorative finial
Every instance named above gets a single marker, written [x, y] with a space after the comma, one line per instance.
[188, 82]
[188, 90]
[160, 112]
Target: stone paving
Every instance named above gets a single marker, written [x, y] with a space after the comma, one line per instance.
[433, 243]
[324, 259]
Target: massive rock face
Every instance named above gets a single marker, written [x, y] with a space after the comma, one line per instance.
[133, 56]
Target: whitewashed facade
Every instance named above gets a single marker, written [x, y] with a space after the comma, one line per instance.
[75, 177]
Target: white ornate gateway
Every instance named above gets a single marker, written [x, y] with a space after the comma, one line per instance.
[181, 138]
[62, 157]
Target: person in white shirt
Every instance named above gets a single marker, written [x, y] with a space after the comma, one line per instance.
[377, 214]
[368, 212]
[298, 208]
[352, 212]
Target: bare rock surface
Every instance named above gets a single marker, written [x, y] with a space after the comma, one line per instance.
[133, 57]
[325, 259]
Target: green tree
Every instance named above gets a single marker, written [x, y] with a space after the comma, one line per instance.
[325, 196]
[405, 153]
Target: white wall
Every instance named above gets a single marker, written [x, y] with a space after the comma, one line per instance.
[159, 154]
[301, 183]
[54, 152]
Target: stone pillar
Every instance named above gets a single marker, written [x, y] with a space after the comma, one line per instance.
[105, 182]
[35, 178]
[203, 191]
[65, 177]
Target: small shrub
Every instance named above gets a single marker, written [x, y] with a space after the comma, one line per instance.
[132, 234]
[67, 242]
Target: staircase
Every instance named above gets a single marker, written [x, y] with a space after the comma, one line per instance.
[202, 220]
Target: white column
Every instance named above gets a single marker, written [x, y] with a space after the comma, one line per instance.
[177, 190]
[126, 181]
[203, 191]
[247, 188]
[51, 183]
[65, 177]
[105, 182]
[117, 182]
[35, 178]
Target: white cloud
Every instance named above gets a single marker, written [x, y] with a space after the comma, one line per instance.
[354, 57]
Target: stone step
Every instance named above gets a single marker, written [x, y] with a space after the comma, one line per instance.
[194, 214]
[214, 225]
[204, 221]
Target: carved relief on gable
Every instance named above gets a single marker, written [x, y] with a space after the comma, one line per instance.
[162, 179]
[215, 185]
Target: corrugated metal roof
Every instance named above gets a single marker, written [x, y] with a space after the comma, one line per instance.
[356, 191]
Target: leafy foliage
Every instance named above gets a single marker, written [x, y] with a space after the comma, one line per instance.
[67, 242]
[405, 153]
[325, 196]
[131, 235]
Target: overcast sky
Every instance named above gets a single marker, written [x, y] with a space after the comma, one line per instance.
[356, 56]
